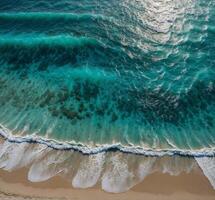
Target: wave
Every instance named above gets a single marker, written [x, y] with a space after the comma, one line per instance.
[89, 150]
[50, 16]
[47, 41]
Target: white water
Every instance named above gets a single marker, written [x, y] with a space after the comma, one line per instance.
[89, 171]
[208, 167]
[58, 145]
[114, 171]
[47, 166]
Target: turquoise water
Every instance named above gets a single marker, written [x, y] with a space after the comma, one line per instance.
[138, 73]
[107, 92]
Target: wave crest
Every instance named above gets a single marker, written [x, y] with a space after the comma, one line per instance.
[88, 150]
[49, 16]
[46, 41]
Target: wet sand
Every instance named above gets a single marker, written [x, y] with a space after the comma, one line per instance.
[14, 185]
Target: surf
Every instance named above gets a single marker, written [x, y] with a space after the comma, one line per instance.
[114, 170]
[88, 150]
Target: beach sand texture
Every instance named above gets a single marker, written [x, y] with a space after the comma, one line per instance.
[14, 185]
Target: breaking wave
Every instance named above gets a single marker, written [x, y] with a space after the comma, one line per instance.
[87, 150]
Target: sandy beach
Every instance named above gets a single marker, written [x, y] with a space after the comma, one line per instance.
[14, 185]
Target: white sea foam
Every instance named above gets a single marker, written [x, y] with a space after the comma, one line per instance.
[145, 168]
[48, 166]
[89, 171]
[117, 178]
[208, 167]
[174, 165]
[58, 145]
[12, 156]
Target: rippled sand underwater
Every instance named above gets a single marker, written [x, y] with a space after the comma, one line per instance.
[105, 80]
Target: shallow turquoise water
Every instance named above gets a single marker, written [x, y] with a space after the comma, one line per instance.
[104, 72]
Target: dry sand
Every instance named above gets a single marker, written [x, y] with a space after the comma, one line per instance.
[193, 186]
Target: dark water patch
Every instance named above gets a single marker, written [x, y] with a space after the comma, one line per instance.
[167, 106]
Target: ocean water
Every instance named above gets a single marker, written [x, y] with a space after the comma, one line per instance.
[107, 91]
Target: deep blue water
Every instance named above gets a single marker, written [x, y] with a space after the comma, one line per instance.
[104, 72]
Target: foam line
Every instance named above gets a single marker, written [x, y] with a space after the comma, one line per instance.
[87, 150]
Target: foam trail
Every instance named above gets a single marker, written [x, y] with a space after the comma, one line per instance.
[11, 156]
[89, 171]
[175, 165]
[15, 156]
[118, 178]
[4, 155]
[208, 167]
[145, 168]
[47, 167]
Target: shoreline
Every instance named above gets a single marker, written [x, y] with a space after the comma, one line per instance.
[186, 186]
[6, 135]
[14, 185]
